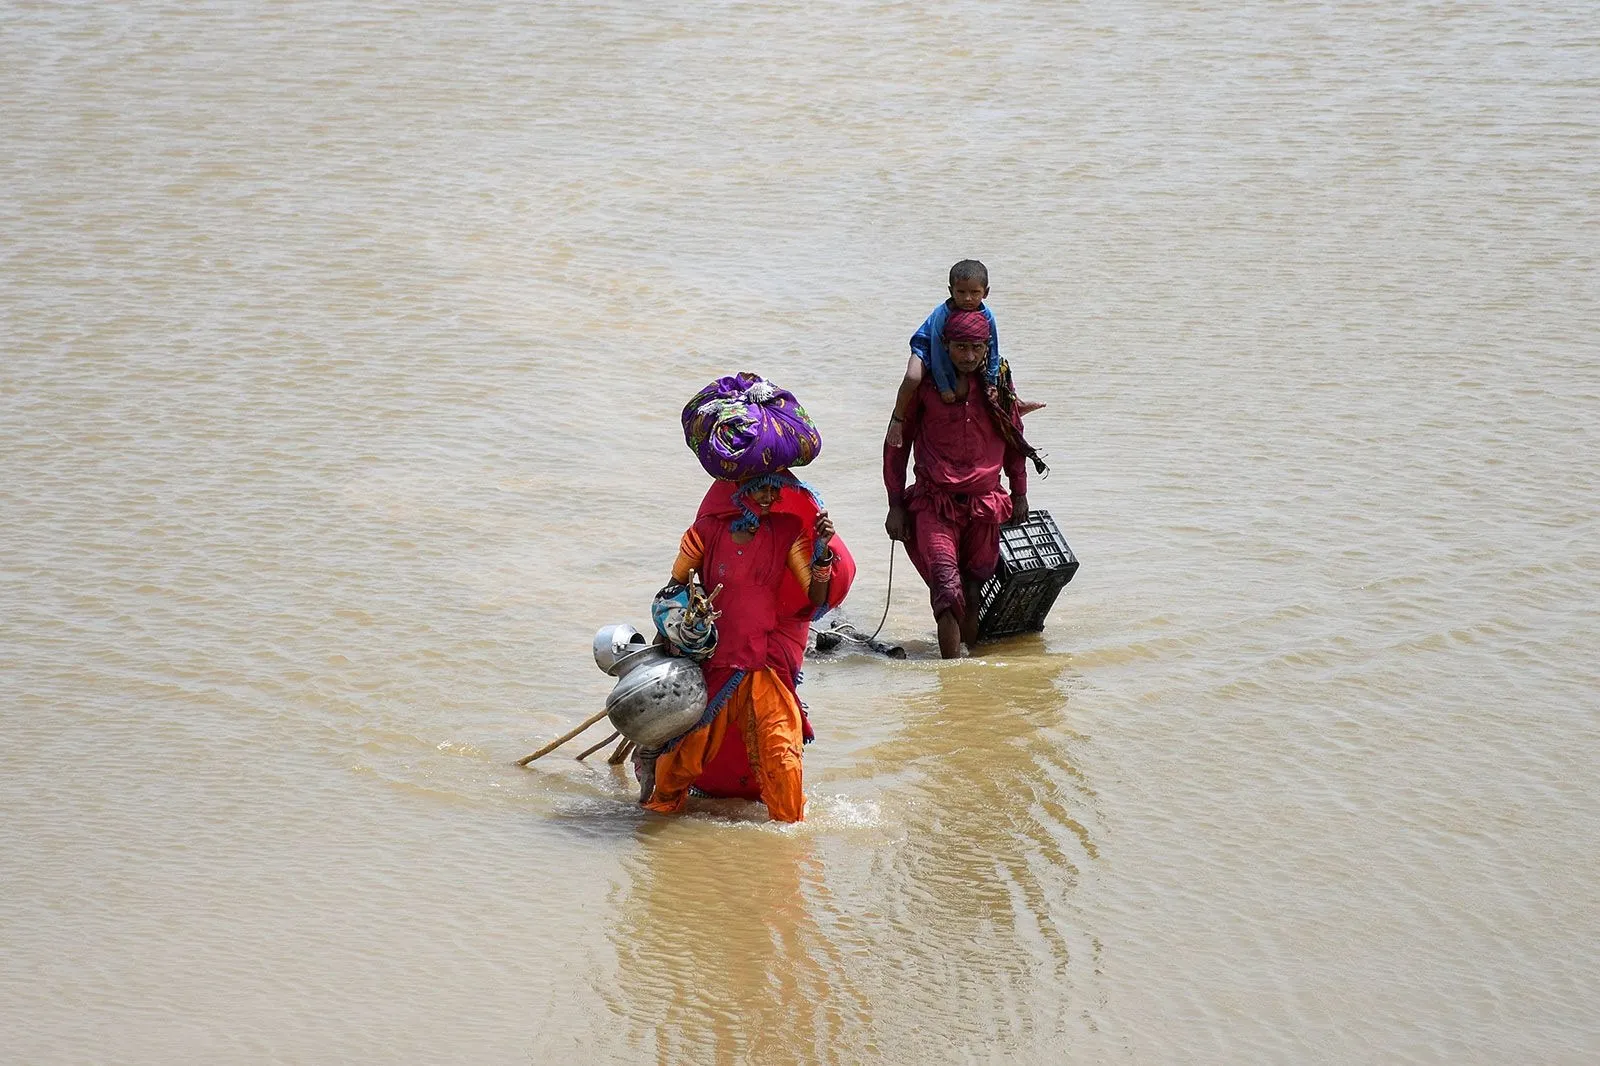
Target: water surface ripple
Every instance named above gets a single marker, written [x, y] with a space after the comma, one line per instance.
[343, 351]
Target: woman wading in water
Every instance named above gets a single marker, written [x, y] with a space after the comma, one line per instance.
[765, 539]
[751, 745]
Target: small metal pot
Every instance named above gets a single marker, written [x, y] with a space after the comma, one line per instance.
[614, 643]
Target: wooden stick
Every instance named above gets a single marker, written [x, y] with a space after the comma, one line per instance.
[556, 743]
[590, 751]
[619, 756]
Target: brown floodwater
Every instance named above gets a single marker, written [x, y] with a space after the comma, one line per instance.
[343, 351]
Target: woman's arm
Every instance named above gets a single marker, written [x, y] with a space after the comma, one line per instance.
[691, 552]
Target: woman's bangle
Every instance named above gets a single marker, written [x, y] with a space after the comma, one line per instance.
[896, 418]
[822, 573]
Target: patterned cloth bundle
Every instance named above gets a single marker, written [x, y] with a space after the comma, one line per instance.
[685, 618]
[743, 426]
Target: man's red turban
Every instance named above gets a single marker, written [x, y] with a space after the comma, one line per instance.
[966, 326]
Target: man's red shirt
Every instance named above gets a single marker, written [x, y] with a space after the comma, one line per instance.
[959, 453]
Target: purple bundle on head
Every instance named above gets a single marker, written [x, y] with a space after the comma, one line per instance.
[742, 426]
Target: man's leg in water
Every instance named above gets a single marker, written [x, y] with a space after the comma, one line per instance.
[980, 555]
[969, 619]
[934, 551]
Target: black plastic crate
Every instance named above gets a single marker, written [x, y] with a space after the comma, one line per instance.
[1035, 565]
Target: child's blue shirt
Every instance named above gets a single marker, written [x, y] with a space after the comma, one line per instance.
[928, 345]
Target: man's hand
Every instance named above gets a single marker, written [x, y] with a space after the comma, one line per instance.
[894, 438]
[1019, 508]
[895, 525]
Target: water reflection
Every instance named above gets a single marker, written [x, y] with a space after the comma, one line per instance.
[722, 956]
[740, 941]
[977, 892]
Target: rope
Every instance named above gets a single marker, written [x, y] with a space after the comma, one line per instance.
[888, 595]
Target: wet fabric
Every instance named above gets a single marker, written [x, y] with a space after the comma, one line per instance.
[945, 548]
[959, 450]
[927, 344]
[761, 717]
[786, 643]
[766, 618]
[742, 426]
[957, 504]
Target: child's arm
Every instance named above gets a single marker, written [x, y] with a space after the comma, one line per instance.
[902, 402]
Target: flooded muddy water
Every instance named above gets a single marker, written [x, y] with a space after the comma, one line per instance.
[344, 347]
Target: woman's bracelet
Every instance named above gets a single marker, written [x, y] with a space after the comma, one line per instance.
[822, 573]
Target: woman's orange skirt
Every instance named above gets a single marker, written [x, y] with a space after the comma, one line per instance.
[763, 714]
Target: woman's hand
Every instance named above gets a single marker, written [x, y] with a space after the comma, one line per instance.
[894, 438]
[824, 529]
[822, 568]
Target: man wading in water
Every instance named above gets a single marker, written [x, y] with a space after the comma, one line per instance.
[950, 518]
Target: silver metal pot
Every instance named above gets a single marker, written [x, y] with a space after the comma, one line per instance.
[658, 696]
[614, 643]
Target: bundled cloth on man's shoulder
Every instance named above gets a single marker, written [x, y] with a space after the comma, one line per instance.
[1002, 397]
[744, 425]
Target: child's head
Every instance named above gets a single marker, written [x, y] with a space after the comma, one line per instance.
[969, 284]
